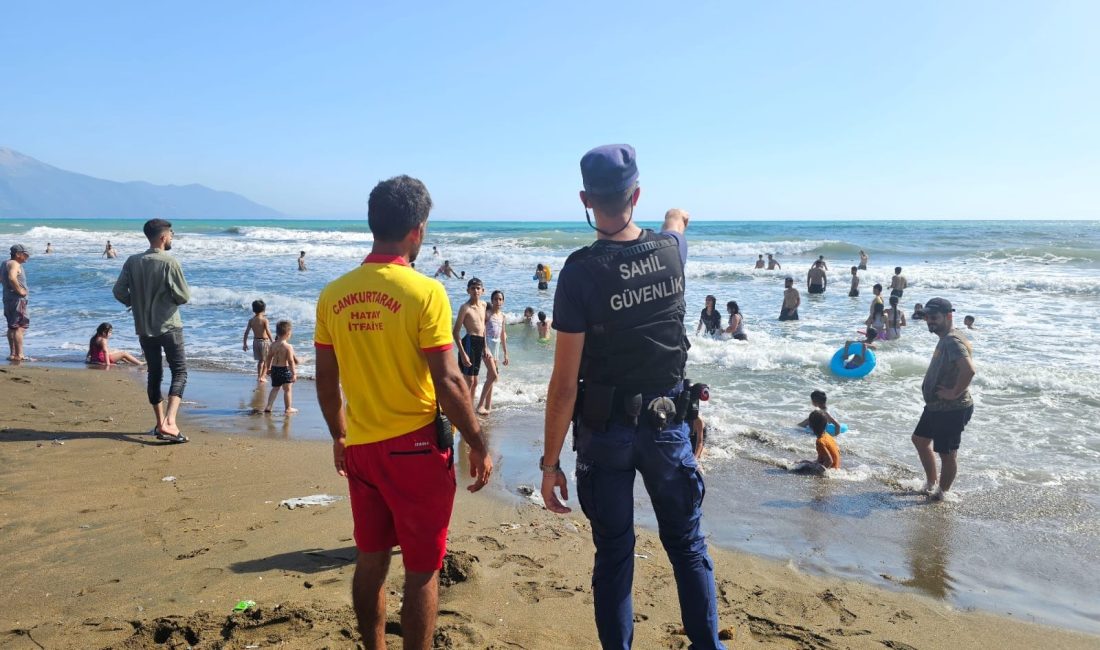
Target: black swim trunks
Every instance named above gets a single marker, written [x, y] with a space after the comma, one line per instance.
[281, 375]
[543, 286]
[788, 314]
[895, 293]
[475, 349]
[854, 293]
[943, 427]
[817, 288]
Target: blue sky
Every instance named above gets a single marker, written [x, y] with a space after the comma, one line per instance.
[777, 110]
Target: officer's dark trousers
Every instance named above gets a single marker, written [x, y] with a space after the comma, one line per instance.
[171, 343]
[606, 464]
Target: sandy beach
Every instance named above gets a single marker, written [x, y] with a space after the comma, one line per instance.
[111, 539]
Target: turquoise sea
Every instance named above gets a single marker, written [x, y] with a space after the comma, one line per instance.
[1030, 463]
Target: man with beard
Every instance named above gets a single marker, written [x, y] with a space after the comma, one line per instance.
[948, 405]
[383, 336]
[153, 286]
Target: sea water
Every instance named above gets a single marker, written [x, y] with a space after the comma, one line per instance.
[1033, 287]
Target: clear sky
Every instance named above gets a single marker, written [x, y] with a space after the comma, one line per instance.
[738, 110]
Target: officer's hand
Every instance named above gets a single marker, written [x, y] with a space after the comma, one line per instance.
[550, 481]
[481, 466]
[676, 220]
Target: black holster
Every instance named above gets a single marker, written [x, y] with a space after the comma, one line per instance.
[444, 433]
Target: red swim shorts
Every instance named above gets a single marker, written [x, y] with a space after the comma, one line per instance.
[402, 492]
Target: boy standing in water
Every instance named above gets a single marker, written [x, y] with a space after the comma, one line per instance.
[283, 367]
[853, 292]
[818, 399]
[261, 337]
[791, 301]
[471, 347]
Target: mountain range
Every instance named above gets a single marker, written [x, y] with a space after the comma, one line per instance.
[31, 189]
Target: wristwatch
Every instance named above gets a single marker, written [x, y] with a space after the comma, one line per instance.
[549, 469]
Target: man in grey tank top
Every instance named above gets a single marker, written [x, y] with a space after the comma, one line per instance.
[14, 280]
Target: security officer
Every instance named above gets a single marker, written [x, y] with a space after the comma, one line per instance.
[618, 377]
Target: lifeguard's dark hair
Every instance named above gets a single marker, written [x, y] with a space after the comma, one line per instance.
[396, 206]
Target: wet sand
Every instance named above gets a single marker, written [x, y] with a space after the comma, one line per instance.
[100, 548]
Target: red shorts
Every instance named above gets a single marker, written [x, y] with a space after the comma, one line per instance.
[402, 492]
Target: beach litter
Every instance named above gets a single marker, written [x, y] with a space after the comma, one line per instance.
[311, 500]
[58, 441]
[167, 479]
[243, 605]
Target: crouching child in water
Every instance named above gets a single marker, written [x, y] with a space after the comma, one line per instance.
[283, 367]
[828, 453]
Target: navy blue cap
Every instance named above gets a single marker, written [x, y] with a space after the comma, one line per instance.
[609, 169]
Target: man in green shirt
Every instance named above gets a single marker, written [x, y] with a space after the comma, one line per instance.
[153, 286]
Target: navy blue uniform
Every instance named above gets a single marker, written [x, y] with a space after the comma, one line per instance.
[628, 299]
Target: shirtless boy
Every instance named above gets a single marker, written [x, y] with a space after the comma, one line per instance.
[791, 301]
[445, 270]
[816, 280]
[759, 262]
[471, 347]
[853, 292]
[283, 366]
[261, 337]
[898, 283]
[773, 263]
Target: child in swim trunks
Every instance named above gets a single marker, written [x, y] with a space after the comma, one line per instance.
[858, 358]
[100, 354]
[471, 347]
[261, 337]
[496, 336]
[283, 366]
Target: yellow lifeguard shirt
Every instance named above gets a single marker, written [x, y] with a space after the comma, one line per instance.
[381, 319]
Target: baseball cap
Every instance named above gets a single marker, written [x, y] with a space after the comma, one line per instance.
[609, 169]
[19, 248]
[937, 305]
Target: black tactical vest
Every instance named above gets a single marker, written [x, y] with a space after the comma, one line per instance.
[637, 341]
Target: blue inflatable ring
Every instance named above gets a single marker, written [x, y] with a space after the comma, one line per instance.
[831, 430]
[862, 370]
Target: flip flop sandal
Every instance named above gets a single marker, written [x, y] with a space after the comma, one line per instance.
[167, 437]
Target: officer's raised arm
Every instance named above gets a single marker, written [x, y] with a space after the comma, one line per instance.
[676, 220]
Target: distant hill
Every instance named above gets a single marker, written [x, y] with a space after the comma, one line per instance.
[33, 189]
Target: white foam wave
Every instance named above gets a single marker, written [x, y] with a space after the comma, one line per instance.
[750, 249]
[299, 237]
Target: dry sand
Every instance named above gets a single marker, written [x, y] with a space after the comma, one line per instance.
[100, 549]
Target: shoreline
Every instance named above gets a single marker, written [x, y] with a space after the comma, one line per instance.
[215, 534]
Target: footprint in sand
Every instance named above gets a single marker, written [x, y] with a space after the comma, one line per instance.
[491, 543]
[834, 601]
[534, 592]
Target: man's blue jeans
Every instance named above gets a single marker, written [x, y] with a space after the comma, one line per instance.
[606, 465]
